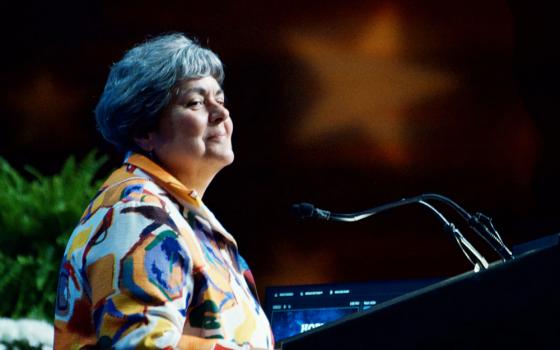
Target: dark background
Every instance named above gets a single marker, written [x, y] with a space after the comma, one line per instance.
[347, 105]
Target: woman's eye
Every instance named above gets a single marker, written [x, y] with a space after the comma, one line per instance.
[194, 103]
[221, 99]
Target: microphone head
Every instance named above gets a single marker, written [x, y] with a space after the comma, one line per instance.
[303, 210]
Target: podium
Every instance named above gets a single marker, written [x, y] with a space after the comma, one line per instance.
[511, 305]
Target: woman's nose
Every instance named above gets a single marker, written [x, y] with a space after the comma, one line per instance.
[218, 113]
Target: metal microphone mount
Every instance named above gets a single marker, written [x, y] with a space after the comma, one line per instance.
[479, 223]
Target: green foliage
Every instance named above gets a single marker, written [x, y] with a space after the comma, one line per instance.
[36, 218]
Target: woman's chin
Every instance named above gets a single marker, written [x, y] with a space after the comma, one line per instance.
[224, 158]
[229, 158]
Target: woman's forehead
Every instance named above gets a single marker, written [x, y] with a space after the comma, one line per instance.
[204, 85]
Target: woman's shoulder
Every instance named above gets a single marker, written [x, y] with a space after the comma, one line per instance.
[127, 208]
[126, 192]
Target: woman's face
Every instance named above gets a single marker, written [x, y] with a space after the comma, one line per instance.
[194, 131]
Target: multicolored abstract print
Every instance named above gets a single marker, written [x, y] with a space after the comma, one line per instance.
[150, 267]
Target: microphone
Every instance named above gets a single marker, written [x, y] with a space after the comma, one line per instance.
[308, 210]
[479, 223]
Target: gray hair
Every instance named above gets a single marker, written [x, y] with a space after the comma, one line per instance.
[142, 83]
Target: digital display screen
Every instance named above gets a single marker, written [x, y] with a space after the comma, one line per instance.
[296, 309]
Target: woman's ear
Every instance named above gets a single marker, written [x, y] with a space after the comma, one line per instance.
[145, 141]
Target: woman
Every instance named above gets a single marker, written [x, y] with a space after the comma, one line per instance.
[148, 265]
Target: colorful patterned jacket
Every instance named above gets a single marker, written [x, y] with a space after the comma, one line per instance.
[149, 266]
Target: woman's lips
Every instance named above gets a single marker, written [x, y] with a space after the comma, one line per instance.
[216, 136]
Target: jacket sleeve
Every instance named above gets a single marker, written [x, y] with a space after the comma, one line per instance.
[139, 273]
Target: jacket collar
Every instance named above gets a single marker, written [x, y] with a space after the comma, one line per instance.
[188, 198]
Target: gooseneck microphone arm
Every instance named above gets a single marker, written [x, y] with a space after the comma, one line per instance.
[466, 247]
[306, 210]
[479, 223]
